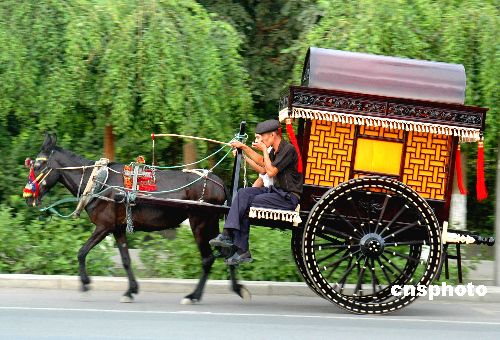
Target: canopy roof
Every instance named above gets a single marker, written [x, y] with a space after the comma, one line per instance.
[384, 76]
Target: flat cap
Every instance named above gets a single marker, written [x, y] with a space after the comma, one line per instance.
[267, 126]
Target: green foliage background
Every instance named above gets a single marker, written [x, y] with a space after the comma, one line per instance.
[270, 248]
[197, 67]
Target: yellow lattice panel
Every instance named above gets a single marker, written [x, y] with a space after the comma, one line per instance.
[426, 163]
[330, 153]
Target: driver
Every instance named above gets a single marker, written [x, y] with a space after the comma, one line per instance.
[280, 164]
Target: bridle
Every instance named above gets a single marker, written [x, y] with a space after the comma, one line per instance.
[32, 188]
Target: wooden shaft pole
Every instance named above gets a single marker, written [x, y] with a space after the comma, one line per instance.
[236, 168]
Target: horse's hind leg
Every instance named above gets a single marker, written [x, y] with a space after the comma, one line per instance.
[238, 288]
[204, 227]
[133, 287]
[97, 236]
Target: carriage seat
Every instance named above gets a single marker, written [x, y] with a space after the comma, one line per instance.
[276, 214]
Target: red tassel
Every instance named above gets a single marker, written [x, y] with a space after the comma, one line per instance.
[293, 139]
[458, 168]
[481, 192]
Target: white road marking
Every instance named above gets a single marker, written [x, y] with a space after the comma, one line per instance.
[360, 317]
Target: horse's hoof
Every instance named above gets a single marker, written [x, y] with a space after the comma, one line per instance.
[188, 301]
[126, 299]
[245, 294]
[85, 288]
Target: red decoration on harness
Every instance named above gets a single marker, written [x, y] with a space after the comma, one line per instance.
[293, 139]
[146, 180]
[458, 167]
[28, 162]
[32, 188]
[481, 191]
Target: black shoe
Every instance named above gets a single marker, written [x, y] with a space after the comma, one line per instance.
[239, 258]
[221, 241]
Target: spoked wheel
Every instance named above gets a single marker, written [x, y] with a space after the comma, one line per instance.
[296, 245]
[367, 235]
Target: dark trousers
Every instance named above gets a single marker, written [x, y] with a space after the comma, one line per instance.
[237, 218]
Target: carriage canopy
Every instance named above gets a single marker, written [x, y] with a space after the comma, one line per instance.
[384, 76]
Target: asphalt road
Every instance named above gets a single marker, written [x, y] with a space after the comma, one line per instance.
[62, 314]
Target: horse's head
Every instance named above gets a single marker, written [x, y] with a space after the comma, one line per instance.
[42, 176]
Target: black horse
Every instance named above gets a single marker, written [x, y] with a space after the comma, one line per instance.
[55, 164]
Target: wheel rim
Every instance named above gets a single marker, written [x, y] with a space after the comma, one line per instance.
[365, 236]
[299, 256]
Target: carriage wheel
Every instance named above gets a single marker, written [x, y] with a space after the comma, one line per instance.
[296, 245]
[367, 235]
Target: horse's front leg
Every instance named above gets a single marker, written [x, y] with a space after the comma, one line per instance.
[97, 236]
[133, 287]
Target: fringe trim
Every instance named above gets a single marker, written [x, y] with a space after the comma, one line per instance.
[465, 134]
[292, 216]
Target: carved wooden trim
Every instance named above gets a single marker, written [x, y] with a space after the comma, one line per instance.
[471, 117]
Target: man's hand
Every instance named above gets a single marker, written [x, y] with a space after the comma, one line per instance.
[236, 144]
[260, 146]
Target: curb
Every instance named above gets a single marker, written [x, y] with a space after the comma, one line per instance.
[68, 282]
[185, 286]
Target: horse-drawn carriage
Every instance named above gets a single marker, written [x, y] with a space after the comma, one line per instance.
[378, 139]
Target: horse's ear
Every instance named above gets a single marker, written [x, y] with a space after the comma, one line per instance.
[49, 141]
[54, 139]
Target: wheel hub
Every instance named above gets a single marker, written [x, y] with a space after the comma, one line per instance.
[372, 245]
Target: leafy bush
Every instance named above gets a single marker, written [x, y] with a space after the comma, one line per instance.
[179, 258]
[48, 247]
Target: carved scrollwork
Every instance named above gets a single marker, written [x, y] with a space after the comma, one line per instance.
[435, 114]
[338, 103]
[468, 119]
[330, 100]
[283, 102]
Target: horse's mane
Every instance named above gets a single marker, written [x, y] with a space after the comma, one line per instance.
[73, 156]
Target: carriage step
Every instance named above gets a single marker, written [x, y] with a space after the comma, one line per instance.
[292, 216]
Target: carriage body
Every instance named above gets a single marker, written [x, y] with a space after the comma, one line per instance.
[346, 135]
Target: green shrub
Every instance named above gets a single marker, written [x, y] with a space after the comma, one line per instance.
[179, 258]
[48, 247]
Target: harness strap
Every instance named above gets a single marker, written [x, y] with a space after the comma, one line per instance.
[202, 173]
[85, 198]
[199, 172]
[42, 176]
